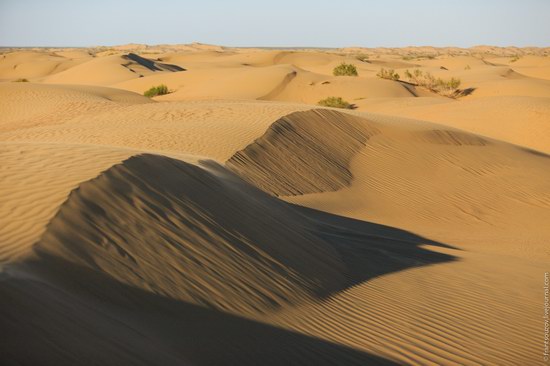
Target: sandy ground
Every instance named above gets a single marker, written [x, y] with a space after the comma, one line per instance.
[234, 221]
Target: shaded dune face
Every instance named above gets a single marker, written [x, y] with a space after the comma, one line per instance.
[176, 229]
[157, 255]
[303, 152]
[201, 235]
[150, 64]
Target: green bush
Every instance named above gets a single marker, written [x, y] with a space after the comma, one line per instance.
[335, 102]
[437, 85]
[515, 58]
[362, 57]
[389, 74]
[156, 90]
[21, 80]
[345, 70]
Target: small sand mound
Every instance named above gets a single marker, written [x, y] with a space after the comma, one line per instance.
[303, 152]
[177, 230]
[55, 104]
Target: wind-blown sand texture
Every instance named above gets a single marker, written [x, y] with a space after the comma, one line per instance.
[235, 222]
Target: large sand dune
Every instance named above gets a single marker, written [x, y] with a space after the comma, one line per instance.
[235, 222]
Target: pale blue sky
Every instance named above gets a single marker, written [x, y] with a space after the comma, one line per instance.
[290, 23]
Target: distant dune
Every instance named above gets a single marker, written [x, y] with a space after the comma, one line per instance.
[234, 221]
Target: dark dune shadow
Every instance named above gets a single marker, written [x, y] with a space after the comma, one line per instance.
[370, 250]
[151, 65]
[410, 87]
[90, 319]
[464, 92]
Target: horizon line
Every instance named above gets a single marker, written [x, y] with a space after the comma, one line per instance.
[268, 47]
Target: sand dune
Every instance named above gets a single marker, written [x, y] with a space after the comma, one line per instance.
[519, 120]
[218, 83]
[234, 221]
[279, 83]
[53, 105]
[304, 152]
[532, 66]
[36, 180]
[239, 256]
[109, 70]
[225, 260]
[32, 65]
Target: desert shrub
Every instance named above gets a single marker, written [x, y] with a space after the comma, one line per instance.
[467, 67]
[407, 57]
[335, 102]
[156, 90]
[437, 85]
[389, 74]
[515, 58]
[362, 57]
[345, 70]
[21, 80]
[446, 87]
[418, 77]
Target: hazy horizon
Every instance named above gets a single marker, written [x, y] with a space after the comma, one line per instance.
[244, 23]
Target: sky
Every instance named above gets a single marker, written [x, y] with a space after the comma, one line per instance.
[276, 23]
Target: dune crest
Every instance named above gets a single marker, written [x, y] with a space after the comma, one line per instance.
[176, 229]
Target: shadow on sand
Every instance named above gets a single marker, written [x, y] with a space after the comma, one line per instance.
[58, 312]
[371, 250]
[152, 65]
[93, 320]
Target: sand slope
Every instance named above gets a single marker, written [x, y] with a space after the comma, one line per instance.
[213, 257]
[53, 105]
[303, 152]
[31, 65]
[36, 179]
[159, 222]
